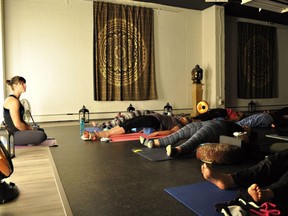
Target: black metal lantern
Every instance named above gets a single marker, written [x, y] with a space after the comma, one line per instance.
[84, 114]
[130, 108]
[251, 106]
[167, 109]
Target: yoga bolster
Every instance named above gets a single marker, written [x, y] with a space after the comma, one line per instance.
[218, 153]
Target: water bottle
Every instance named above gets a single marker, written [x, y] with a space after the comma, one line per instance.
[82, 126]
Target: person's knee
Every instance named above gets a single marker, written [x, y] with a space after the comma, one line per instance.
[40, 136]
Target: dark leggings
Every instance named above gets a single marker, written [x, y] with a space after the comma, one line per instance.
[196, 133]
[140, 122]
[271, 173]
[27, 137]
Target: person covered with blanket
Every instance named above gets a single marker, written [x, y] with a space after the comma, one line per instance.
[162, 124]
[196, 133]
[266, 181]
[275, 119]
[120, 118]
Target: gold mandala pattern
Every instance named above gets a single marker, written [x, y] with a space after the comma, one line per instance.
[258, 48]
[115, 64]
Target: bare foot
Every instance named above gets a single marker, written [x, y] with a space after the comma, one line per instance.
[221, 180]
[179, 149]
[260, 195]
[104, 134]
[156, 143]
[93, 137]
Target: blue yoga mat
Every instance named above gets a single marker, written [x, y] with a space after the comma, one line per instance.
[92, 129]
[202, 197]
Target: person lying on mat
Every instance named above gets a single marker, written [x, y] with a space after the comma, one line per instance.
[197, 133]
[223, 113]
[14, 115]
[266, 181]
[120, 118]
[277, 119]
[163, 125]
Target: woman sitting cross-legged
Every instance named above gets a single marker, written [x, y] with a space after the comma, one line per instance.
[266, 181]
[24, 133]
[196, 133]
[161, 123]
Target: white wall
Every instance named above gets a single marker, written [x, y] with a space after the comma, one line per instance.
[178, 49]
[213, 55]
[49, 42]
[1, 61]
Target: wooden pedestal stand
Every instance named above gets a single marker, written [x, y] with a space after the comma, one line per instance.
[197, 92]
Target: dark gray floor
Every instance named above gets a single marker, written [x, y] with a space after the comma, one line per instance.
[109, 179]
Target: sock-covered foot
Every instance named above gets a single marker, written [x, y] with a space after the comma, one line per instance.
[142, 140]
[147, 142]
[171, 151]
[150, 143]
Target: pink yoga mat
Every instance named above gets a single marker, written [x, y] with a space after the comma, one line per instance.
[130, 137]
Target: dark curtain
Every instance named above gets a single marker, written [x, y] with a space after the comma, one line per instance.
[123, 53]
[257, 73]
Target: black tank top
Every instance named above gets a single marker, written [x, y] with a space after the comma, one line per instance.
[7, 116]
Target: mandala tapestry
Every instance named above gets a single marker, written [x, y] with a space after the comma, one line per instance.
[257, 72]
[123, 53]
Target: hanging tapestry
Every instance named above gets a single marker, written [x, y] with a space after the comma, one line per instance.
[123, 53]
[257, 72]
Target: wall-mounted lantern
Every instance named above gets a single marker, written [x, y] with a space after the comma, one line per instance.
[130, 108]
[251, 106]
[84, 114]
[167, 109]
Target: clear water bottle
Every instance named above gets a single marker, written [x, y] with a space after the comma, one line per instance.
[82, 126]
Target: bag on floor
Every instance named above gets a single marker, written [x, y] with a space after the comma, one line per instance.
[236, 207]
[244, 205]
